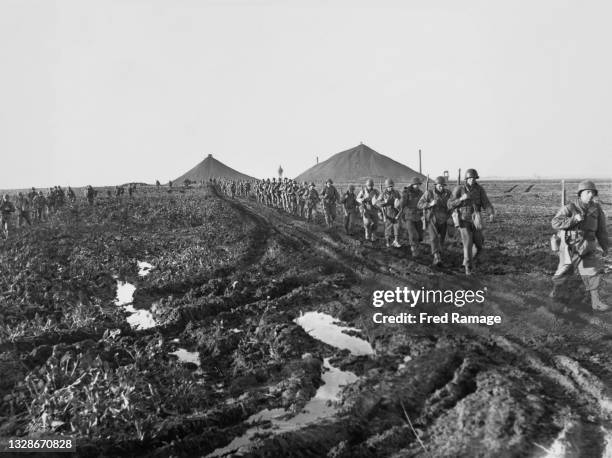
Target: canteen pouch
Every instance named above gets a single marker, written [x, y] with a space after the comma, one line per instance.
[555, 242]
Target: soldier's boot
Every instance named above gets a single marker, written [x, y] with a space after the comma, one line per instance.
[596, 302]
[414, 251]
[468, 269]
[387, 243]
[396, 244]
[437, 259]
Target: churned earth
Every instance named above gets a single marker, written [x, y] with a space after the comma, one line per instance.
[191, 324]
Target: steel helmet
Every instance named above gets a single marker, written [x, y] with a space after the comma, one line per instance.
[389, 182]
[471, 173]
[416, 180]
[587, 185]
[351, 187]
[370, 182]
[312, 184]
[440, 180]
[329, 180]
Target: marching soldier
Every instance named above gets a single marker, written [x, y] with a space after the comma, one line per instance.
[434, 204]
[390, 203]
[90, 194]
[312, 200]
[302, 198]
[412, 214]
[39, 203]
[330, 198]
[582, 224]
[6, 209]
[367, 200]
[349, 205]
[468, 200]
[23, 210]
[71, 195]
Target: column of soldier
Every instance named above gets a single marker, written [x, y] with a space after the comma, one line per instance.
[36, 206]
[581, 224]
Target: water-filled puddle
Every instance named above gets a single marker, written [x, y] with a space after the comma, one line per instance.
[137, 318]
[144, 268]
[186, 356]
[322, 327]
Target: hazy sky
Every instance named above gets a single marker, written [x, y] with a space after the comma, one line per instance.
[105, 92]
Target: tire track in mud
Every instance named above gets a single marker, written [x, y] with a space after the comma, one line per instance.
[588, 394]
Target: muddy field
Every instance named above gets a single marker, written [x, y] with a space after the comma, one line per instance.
[191, 324]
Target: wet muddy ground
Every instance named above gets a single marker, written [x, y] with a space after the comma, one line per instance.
[190, 324]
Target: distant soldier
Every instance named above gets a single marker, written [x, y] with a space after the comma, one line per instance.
[312, 200]
[302, 194]
[349, 205]
[367, 199]
[40, 203]
[233, 189]
[157, 184]
[90, 194]
[131, 190]
[170, 183]
[434, 204]
[6, 209]
[390, 203]
[468, 200]
[71, 195]
[32, 193]
[51, 201]
[23, 209]
[330, 199]
[412, 214]
[582, 224]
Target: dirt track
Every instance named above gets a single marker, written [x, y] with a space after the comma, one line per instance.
[537, 382]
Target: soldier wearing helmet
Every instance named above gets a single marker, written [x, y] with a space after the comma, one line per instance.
[412, 213]
[366, 199]
[330, 199]
[90, 194]
[467, 201]
[6, 209]
[23, 210]
[582, 224]
[302, 194]
[39, 203]
[434, 204]
[390, 203]
[349, 205]
[312, 199]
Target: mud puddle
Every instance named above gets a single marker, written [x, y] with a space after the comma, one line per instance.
[323, 327]
[137, 318]
[318, 408]
[186, 356]
[144, 268]
[321, 406]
